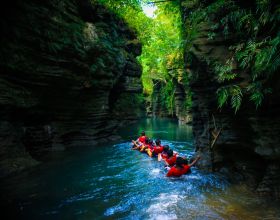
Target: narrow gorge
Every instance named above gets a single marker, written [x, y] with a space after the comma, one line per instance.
[80, 79]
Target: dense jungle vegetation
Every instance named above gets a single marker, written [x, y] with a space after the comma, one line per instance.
[252, 30]
[162, 45]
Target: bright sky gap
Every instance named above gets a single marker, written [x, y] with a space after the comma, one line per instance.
[149, 10]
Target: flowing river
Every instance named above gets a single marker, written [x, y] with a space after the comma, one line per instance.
[114, 182]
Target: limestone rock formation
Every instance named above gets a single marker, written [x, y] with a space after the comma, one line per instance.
[182, 113]
[158, 105]
[247, 149]
[64, 67]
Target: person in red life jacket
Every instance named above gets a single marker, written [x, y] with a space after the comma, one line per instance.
[181, 167]
[142, 138]
[137, 145]
[158, 149]
[171, 158]
[153, 150]
[149, 147]
[140, 146]
[163, 154]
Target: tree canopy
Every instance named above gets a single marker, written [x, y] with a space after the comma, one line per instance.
[161, 38]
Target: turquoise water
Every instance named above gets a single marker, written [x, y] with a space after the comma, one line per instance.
[114, 182]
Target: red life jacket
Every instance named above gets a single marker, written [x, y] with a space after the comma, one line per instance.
[171, 160]
[158, 149]
[151, 147]
[164, 155]
[142, 139]
[175, 171]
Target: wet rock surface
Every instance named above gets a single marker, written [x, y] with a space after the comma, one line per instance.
[64, 67]
[158, 107]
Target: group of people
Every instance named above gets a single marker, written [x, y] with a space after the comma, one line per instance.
[176, 165]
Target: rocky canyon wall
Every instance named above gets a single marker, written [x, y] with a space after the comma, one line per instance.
[170, 105]
[68, 77]
[248, 146]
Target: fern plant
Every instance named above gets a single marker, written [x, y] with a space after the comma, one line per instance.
[236, 97]
[224, 72]
[223, 95]
[234, 92]
[257, 53]
[257, 92]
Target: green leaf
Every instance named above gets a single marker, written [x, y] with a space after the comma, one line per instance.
[222, 96]
[257, 97]
[236, 97]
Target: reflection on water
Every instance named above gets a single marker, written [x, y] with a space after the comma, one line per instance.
[114, 182]
[164, 129]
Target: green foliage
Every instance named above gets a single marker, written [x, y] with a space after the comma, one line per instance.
[222, 96]
[257, 92]
[168, 90]
[224, 72]
[259, 55]
[261, 58]
[236, 97]
[161, 38]
[224, 93]
[131, 12]
[255, 49]
[162, 54]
